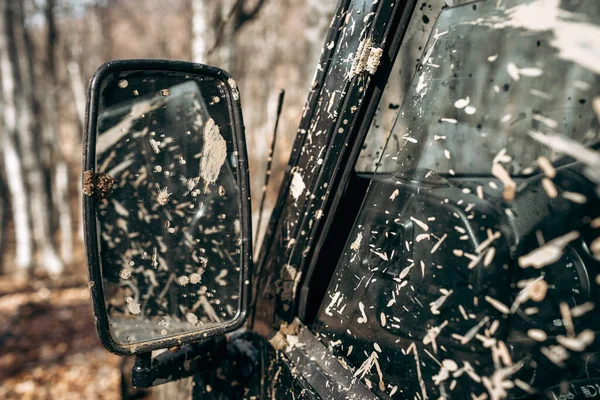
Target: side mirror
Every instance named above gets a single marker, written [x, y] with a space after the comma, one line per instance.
[166, 204]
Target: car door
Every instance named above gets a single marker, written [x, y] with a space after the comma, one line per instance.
[468, 269]
[471, 268]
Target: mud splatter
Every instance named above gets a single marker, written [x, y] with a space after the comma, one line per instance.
[214, 153]
[99, 185]
[297, 186]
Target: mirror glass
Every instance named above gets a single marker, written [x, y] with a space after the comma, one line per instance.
[167, 204]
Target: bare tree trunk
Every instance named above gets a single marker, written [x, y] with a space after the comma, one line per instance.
[31, 165]
[3, 189]
[201, 31]
[213, 28]
[3, 206]
[223, 56]
[77, 63]
[12, 163]
[78, 89]
[19, 200]
[60, 174]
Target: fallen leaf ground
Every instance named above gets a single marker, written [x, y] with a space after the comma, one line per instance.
[48, 344]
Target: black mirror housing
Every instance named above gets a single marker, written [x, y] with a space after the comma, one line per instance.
[166, 204]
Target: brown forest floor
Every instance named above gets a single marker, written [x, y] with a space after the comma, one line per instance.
[48, 344]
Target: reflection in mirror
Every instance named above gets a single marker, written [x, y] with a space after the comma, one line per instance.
[167, 209]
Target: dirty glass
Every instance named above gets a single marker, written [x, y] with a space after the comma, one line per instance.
[168, 211]
[473, 267]
[398, 83]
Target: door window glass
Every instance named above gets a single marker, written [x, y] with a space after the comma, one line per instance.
[398, 83]
[472, 270]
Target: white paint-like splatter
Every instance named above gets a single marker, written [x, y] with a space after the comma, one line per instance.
[510, 186]
[470, 110]
[449, 120]
[192, 318]
[336, 299]
[498, 305]
[297, 186]
[421, 224]
[133, 306]
[575, 197]
[537, 335]
[546, 166]
[155, 144]
[195, 278]
[234, 89]
[548, 253]
[183, 280]
[356, 244]
[163, 196]
[422, 84]
[363, 318]
[462, 103]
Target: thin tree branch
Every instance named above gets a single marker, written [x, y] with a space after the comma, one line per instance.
[221, 30]
[246, 16]
[241, 18]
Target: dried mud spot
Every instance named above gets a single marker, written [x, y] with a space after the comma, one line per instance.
[99, 185]
[163, 196]
[88, 183]
[213, 153]
[287, 336]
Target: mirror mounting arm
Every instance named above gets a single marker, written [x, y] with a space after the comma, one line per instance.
[191, 359]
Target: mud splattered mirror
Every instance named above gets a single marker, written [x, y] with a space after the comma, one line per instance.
[166, 204]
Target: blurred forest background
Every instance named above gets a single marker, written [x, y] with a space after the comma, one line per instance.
[49, 50]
